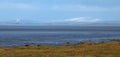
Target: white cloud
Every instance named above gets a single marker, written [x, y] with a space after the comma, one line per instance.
[20, 6]
[83, 19]
[83, 8]
[75, 20]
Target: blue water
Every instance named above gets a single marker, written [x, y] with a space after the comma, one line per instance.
[21, 35]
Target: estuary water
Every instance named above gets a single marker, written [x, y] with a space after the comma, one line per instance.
[54, 35]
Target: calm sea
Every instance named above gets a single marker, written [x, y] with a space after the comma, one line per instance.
[21, 35]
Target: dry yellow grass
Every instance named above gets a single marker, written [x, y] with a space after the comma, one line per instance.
[87, 49]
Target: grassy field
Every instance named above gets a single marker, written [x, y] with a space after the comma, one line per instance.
[84, 49]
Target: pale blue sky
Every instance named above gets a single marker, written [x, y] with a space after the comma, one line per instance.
[60, 11]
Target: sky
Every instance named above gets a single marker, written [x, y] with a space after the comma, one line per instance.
[60, 12]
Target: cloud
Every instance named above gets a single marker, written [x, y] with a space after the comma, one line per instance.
[83, 19]
[20, 6]
[83, 8]
[76, 20]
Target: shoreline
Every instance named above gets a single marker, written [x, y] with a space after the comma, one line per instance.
[83, 49]
[64, 43]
